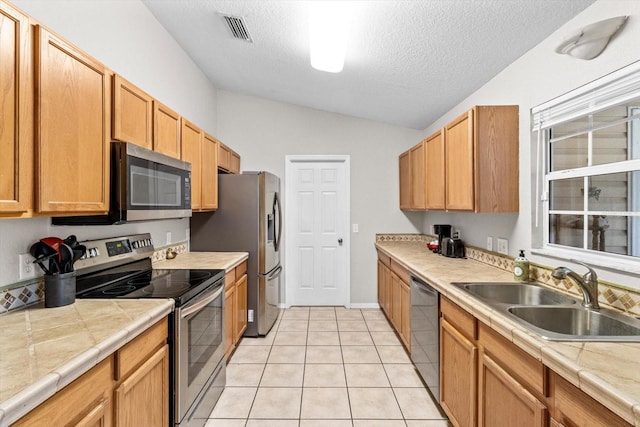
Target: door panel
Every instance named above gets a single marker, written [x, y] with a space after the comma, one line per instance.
[320, 230]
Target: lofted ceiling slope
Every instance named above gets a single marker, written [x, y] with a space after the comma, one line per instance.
[408, 61]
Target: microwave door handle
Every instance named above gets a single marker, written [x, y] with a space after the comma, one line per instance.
[186, 312]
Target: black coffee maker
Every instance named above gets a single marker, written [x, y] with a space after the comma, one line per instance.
[443, 231]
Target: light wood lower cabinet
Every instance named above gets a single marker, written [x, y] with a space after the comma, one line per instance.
[394, 297]
[235, 282]
[458, 365]
[504, 402]
[130, 388]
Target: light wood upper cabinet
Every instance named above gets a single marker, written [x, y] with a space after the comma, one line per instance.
[72, 128]
[228, 160]
[209, 172]
[405, 180]
[191, 152]
[132, 119]
[166, 130]
[418, 158]
[435, 168]
[459, 163]
[481, 166]
[16, 114]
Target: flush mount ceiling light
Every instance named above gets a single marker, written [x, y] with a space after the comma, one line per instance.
[329, 23]
[590, 41]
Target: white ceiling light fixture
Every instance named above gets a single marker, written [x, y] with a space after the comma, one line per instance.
[590, 41]
[329, 25]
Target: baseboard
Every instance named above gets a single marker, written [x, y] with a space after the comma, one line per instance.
[364, 305]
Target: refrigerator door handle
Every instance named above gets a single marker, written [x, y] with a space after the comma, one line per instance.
[278, 234]
[275, 273]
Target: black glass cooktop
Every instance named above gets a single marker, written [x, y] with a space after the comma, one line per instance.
[137, 280]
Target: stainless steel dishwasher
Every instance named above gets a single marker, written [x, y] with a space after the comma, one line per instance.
[425, 335]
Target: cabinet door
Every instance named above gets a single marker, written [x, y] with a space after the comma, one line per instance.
[418, 177]
[396, 301]
[72, 117]
[435, 173]
[241, 307]
[191, 152]
[503, 402]
[459, 163]
[132, 114]
[224, 157]
[381, 293]
[405, 314]
[388, 298]
[166, 130]
[209, 173]
[458, 369]
[405, 180]
[16, 120]
[229, 309]
[99, 416]
[234, 162]
[143, 398]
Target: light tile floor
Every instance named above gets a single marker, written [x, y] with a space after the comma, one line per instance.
[325, 366]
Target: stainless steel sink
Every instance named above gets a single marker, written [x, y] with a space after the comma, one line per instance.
[553, 315]
[579, 323]
[517, 293]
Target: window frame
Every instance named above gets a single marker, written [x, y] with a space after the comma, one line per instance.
[606, 92]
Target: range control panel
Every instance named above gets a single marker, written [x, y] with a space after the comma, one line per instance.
[104, 252]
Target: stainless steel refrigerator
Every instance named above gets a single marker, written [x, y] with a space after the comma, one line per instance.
[248, 219]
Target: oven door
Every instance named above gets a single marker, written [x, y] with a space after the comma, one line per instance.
[199, 347]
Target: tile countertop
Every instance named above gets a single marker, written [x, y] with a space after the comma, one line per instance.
[44, 349]
[606, 371]
[204, 260]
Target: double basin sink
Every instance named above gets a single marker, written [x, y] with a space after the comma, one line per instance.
[553, 315]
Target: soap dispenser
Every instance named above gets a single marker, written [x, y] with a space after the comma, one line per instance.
[521, 268]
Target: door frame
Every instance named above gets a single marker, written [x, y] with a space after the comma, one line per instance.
[290, 160]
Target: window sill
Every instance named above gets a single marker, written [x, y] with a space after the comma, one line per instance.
[608, 262]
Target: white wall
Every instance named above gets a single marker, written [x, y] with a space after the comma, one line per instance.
[536, 77]
[263, 132]
[126, 37]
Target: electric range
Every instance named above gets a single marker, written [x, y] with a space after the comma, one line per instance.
[121, 267]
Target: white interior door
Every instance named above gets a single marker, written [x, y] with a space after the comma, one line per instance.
[318, 216]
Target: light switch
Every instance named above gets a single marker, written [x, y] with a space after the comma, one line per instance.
[355, 228]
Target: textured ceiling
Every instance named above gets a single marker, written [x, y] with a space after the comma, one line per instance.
[407, 63]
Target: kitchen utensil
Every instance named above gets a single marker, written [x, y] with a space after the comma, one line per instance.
[42, 253]
[54, 243]
[66, 255]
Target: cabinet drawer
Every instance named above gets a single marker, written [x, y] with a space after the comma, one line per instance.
[574, 407]
[385, 259]
[463, 321]
[241, 269]
[78, 400]
[529, 371]
[230, 279]
[401, 272]
[140, 349]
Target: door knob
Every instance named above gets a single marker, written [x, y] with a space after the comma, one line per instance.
[340, 241]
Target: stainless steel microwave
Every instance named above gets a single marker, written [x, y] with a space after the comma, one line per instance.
[145, 185]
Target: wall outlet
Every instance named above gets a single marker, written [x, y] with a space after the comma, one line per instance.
[503, 246]
[168, 237]
[489, 243]
[28, 270]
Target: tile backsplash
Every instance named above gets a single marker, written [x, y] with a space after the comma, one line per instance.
[28, 293]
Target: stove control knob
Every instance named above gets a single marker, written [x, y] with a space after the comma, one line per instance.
[96, 251]
[134, 245]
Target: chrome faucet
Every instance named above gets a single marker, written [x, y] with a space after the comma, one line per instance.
[588, 283]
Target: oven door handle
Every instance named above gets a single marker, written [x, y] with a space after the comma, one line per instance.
[188, 311]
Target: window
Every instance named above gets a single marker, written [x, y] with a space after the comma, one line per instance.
[587, 186]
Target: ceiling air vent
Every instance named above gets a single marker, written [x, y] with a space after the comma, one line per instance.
[237, 27]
